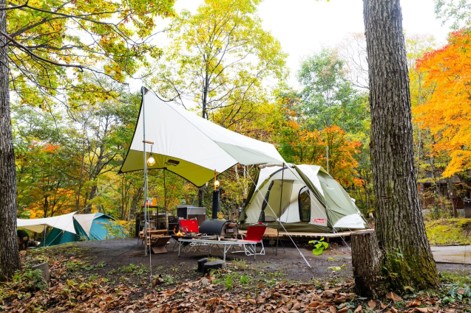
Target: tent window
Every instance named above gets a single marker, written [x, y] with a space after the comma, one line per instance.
[304, 205]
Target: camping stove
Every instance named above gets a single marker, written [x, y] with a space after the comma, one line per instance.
[219, 228]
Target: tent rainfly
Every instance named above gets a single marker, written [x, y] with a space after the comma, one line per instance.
[303, 198]
[188, 145]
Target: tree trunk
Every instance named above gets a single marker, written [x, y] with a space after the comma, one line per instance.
[367, 264]
[9, 256]
[399, 225]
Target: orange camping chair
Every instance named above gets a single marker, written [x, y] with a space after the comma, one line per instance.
[254, 236]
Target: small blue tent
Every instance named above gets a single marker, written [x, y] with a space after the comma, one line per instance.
[95, 226]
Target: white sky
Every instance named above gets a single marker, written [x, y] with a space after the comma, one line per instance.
[304, 27]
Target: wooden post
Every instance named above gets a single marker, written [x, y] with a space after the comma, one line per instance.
[44, 268]
[367, 261]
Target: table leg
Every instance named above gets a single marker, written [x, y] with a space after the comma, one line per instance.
[226, 249]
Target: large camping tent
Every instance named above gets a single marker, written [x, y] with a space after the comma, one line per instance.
[74, 227]
[188, 145]
[303, 198]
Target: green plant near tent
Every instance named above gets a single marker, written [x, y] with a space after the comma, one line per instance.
[319, 246]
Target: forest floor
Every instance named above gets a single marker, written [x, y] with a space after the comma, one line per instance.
[116, 276]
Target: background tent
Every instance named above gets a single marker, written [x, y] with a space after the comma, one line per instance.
[304, 198]
[95, 226]
[189, 145]
[63, 222]
[73, 227]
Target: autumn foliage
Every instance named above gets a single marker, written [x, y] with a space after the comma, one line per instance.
[330, 147]
[446, 112]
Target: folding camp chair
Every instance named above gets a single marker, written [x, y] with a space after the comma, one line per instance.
[189, 226]
[253, 236]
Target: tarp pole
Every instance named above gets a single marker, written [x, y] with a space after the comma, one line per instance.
[215, 203]
[146, 217]
[281, 203]
[165, 201]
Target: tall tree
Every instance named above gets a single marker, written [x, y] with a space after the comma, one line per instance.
[328, 97]
[353, 50]
[44, 48]
[100, 133]
[40, 140]
[332, 116]
[400, 230]
[9, 256]
[220, 58]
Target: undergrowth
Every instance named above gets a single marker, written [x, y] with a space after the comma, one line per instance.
[453, 231]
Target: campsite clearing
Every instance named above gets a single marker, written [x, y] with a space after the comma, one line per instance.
[287, 264]
[113, 275]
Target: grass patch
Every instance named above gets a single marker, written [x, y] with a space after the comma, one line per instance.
[453, 231]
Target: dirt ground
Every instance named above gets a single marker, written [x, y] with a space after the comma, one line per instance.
[286, 262]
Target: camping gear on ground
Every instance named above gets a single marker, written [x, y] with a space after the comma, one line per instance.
[302, 198]
[155, 240]
[170, 138]
[157, 219]
[189, 145]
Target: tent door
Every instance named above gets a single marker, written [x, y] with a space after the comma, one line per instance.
[277, 195]
[304, 204]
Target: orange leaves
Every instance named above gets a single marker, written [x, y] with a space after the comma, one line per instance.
[331, 145]
[293, 124]
[447, 111]
[50, 148]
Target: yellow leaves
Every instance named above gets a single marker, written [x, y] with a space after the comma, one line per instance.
[115, 71]
[460, 159]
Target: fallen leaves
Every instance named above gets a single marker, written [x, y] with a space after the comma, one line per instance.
[79, 291]
[394, 297]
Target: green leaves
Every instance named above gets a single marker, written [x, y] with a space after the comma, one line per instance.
[220, 58]
[103, 36]
[319, 246]
[328, 98]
